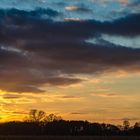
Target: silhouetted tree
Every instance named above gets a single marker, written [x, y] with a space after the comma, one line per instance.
[136, 129]
[38, 123]
[126, 124]
[52, 117]
[36, 116]
[137, 124]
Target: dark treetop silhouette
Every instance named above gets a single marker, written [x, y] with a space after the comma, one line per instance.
[38, 123]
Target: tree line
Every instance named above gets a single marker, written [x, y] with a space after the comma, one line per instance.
[38, 123]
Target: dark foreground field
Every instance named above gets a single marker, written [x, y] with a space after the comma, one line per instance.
[68, 138]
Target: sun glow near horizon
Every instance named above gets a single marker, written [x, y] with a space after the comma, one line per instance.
[91, 100]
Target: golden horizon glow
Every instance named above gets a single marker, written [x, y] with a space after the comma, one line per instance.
[105, 98]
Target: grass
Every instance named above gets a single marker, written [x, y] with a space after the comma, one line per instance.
[67, 138]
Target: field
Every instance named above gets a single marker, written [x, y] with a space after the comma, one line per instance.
[66, 138]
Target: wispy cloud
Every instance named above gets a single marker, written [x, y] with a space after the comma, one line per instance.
[106, 95]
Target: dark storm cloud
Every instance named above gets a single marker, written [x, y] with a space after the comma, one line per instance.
[26, 28]
[127, 26]
[63, 81]
[15, 13]
[36, 51]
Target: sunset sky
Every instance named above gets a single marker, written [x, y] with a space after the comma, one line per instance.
[79, 59]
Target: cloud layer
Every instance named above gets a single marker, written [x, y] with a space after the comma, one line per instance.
[37, 51]
[103, 10]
